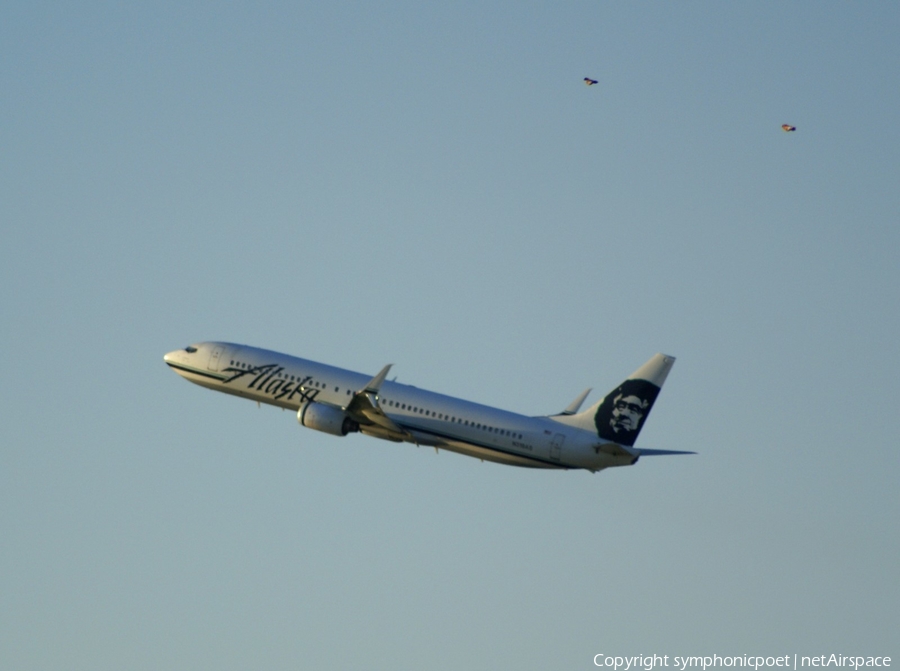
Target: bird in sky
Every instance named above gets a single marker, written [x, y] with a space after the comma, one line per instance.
[589, 81]
[787, 128]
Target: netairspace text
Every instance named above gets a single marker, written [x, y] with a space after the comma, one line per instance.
[755, 662]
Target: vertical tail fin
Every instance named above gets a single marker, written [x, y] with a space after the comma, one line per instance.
[620, 415]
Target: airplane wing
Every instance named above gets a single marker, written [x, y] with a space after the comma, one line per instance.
[365, 409]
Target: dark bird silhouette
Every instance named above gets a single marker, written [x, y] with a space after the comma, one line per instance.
[589, 81]
[787, 128]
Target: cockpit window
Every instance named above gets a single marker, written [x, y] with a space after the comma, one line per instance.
[190, 349]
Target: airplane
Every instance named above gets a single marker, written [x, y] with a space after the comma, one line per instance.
[340, 402]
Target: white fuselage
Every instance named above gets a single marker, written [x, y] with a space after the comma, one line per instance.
[427, 418]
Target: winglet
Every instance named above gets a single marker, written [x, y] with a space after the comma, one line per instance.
[365, 408]
[376, 382]
[575, 405]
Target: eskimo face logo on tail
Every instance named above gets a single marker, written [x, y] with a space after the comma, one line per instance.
[622, 413]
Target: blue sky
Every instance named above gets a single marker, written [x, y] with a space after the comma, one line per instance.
[435, 187]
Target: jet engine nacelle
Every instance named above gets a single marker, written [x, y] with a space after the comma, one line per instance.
[326, 418]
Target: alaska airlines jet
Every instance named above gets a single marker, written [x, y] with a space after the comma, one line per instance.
[338, 401]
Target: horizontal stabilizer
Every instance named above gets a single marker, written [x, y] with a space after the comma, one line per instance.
[616, 450]
[653, 453]
[575, 405]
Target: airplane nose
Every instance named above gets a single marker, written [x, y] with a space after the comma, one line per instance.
[179, 355]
